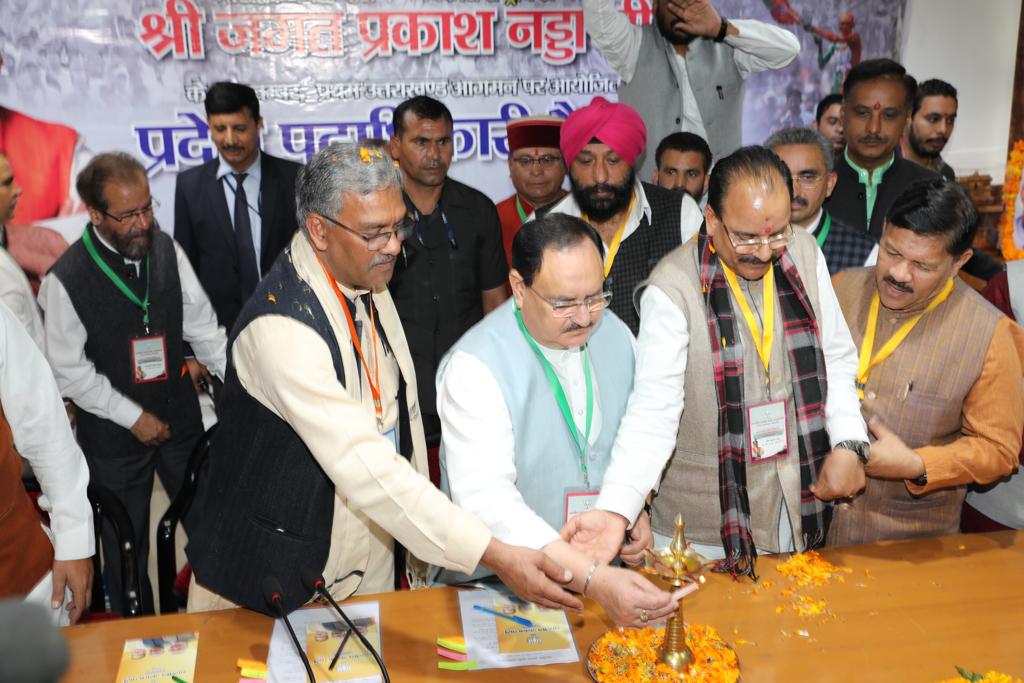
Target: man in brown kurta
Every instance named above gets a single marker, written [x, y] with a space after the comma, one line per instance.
[946, 403]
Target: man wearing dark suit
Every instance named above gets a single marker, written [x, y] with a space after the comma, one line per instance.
[230, 249]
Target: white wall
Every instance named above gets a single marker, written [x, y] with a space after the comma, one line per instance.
[972, 45]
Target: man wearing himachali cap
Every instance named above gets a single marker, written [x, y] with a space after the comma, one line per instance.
[638, 222]
[537, 171]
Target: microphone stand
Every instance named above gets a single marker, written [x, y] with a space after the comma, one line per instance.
[272, 594]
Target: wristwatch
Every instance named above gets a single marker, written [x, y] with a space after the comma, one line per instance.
[861, 448]
[722, 31]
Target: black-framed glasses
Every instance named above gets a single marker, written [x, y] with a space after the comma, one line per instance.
[377, 241]
[567, 309]
[144, 212]
[749, 246]
[526, 162]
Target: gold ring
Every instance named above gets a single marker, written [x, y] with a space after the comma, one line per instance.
[643, 616]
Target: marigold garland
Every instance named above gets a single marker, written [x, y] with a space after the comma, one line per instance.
[629, 655]
[1011, 186]
[811, 569]
[990, 677]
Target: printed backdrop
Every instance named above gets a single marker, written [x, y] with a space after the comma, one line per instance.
[130, 74]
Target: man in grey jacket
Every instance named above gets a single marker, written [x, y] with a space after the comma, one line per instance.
[705, 55]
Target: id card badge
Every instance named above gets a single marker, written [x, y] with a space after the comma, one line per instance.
[392, 436]
[579, 500]
[767, 431]
[149, 359]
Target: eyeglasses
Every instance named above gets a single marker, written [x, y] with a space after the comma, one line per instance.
[381, 239]
[566, 309]
[808, 180]
[144, 212]
[776, 241]
[526, 162]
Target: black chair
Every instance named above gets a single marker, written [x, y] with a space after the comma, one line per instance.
[166, 556]
[106, 505]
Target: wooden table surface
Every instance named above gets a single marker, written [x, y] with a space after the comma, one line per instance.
[909, 611]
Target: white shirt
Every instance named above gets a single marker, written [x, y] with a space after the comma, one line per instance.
[16, 293]
[76, 374]
[813, 230]
[690, 215]
[479, 442]
[758, 47]
[647, 434]
[42, 435]
[253, 198]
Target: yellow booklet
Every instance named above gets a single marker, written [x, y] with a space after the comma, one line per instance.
[159, 660]
[355, 661]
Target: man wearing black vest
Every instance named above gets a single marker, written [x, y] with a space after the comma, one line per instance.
[877, 99]
[319, 464]
[454, 271]
[229, 248]
[638, 222]
[119, 305]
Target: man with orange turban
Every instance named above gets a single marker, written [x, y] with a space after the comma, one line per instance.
[637, 221]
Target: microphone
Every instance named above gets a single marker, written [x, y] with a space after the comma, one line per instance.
[313, 582]
[32, 648]
[272, 595]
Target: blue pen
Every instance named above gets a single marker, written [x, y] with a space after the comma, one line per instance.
[519, 620]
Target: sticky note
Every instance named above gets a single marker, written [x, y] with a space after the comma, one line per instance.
[260, 674]
[454, 656]
[453, 643]
[252, 664]
[456, 666]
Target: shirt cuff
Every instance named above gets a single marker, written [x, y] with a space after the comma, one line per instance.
[468, 538]
[939, 465]
[74, 543]
[622, 500]
[126, 413]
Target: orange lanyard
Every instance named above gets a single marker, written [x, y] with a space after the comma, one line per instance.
[374, 383]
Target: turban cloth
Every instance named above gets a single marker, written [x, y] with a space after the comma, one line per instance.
[615, 124]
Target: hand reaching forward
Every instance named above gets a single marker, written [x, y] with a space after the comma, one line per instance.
[598, 533]
[531, 575]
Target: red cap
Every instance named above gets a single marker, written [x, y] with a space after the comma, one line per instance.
[533, 131]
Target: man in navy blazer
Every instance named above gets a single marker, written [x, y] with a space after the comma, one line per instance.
[233, 215]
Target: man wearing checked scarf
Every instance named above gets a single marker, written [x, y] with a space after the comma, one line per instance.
[744, 324]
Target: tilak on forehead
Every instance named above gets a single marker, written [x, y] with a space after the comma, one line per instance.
[878, 105]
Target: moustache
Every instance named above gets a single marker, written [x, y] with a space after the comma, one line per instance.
[382, 260]
[232, 148]
[872, 140]
[753, 261]
[572, 327]
[799, 201]
[902, 286]
[940, 140]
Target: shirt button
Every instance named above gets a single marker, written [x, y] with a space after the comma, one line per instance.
[870, 395]
[436, 298]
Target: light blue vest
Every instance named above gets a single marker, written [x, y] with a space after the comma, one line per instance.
[547, 460]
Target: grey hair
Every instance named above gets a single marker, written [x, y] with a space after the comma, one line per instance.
[803, 136]
[358, 168]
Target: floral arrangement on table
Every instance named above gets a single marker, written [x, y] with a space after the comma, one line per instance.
[630, 655]
[1011, 186]
[990, 677]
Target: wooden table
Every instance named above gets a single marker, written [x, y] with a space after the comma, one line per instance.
[909, 611]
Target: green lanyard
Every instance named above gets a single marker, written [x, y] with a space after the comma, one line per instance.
[563, 402]
[116, 279]
[823, 233]
[519, 207]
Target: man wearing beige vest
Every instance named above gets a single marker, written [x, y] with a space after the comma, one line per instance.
[743, 319]
[939, 372]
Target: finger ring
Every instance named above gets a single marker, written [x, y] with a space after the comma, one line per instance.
[643, 616]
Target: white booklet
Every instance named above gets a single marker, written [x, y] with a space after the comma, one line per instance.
[502, 631]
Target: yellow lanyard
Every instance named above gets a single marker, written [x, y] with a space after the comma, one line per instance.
[613, 248]
[763, 341]
[866, 362]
